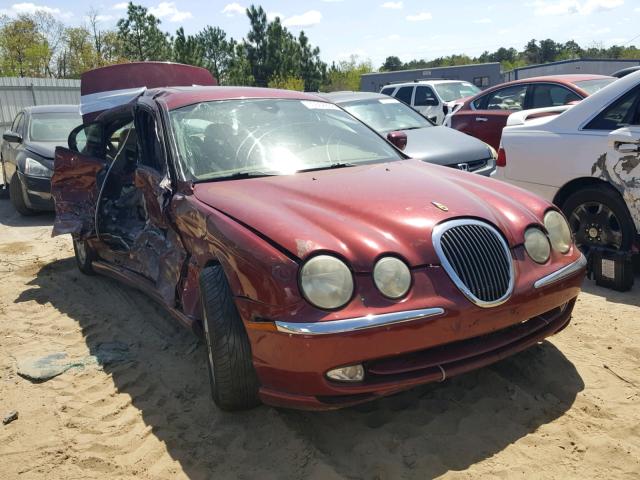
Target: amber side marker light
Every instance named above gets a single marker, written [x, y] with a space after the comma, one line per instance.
[502, 158]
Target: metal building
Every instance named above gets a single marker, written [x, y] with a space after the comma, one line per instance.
[17, 93]
[598, 66]
[481, 74]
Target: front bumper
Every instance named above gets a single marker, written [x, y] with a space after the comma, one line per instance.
[448, 337]
[38, 190]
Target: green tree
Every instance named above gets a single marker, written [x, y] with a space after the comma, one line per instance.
[140, 36]
[312, 69]
[187, 49]
[346, 74]
[287, 83]
[392, 64]
[24, 50]
[79, 53]
[217, 52]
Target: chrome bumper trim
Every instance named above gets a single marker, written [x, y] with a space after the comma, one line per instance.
[355, 324]
[562, 273]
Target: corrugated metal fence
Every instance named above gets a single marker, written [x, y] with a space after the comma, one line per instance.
[17, 93]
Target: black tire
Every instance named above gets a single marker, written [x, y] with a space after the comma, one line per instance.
[615, 227]
[234, 383]
[85, 256]
[16, 195]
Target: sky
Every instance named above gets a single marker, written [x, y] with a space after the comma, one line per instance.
[409, 29]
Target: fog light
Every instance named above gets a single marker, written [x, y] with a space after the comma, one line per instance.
[352, 373]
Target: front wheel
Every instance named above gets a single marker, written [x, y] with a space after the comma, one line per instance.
[234, 383]
[16, 195]
[84, 256]
[599, 218]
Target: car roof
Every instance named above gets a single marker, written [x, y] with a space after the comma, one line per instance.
[422, 82]
[568, 78]
[344, 97]
[53, 109]
[176, 97]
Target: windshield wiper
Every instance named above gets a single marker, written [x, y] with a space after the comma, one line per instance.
[328, 167]
[236, 176]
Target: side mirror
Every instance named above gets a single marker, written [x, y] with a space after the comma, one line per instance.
[399, 139]
[12, 137]
[445, 108]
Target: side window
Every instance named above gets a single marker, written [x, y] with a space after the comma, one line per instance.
[510, 98]
[387, 91]
[621, 113]
[479, 102]
[152, 154]
[424, 97]
[404, 94]
[549, 95]
[123, 142]
[87, 139]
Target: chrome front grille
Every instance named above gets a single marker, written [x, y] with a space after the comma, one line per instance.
[477, 258]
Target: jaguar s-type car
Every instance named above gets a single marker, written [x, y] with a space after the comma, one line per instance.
[322, 266]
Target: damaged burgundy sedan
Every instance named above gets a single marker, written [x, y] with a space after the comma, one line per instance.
[324, 267]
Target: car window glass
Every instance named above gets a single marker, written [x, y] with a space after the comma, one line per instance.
[122, 141]
[387, 115]
[510, 98]
[479, 102]
[404, 94]
[88, 140]
[16, 122]
[219, 139]
[53, 126]
[619, 114]
[387, 91]
[454, 90]
[425, 96]
[548, 95]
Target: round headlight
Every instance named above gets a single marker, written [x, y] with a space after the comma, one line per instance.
[326, 282]
[392, 277]
[559, 231]
[537, 245]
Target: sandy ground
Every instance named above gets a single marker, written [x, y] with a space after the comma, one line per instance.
[568, 408]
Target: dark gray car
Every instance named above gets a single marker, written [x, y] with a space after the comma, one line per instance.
[401, 124]
[26, 154]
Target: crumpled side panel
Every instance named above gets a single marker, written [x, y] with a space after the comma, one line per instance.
[623, 173]
[157, 249]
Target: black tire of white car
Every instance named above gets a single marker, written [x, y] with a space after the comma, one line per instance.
[84, 256]
[16, 195]
[234, 383]
[609, 198]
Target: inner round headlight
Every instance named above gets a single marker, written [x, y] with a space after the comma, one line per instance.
[537, 245]
[326, 282]
[559, 231]
[392, 277]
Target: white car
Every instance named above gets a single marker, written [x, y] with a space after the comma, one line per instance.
[585, 159]
[432, 98]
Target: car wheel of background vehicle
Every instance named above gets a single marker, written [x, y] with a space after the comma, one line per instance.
[599, 218]
[234, 383]
[16, 195]
[84, 256]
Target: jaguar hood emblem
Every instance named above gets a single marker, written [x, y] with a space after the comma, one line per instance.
[442, 207]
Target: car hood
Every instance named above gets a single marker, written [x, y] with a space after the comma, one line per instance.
[444, 146]
[365, 211]
[42, 149]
